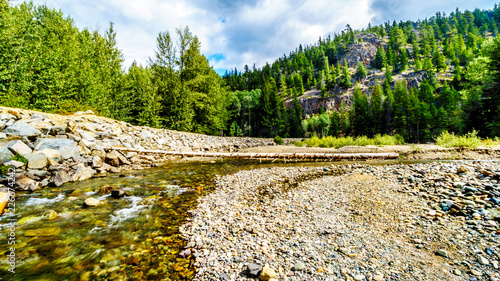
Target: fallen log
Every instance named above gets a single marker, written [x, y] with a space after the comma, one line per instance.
[286, 156]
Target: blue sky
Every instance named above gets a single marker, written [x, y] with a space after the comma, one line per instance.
[237, 32]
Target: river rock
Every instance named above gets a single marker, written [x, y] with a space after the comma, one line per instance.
[14, 163]
[267, 273]
[96, 162]
[91, 202]
[482, 260]
[112, 158]
[19, 147]
[254, 269]
[299, 266]
[53, 156]
[36, 161]
[105, 189]
[463, 169]
[62, 176]
[68, 152]
[57, 144]
[116, 158]
[82, 173]
[5, 154]
[22, 129]
[116, 193]
[50, 214]
[442, 253]
[56, 130]
[23, 182]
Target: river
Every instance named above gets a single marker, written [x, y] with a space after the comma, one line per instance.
[135, 235]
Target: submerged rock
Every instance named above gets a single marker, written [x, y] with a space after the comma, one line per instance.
[49, 231]
[91, 202]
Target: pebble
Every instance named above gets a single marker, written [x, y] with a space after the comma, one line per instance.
[442, 253]
[359, 277]
[254, 269]
[299, 266]
[476, 272]
[267, 273]
[482, 260]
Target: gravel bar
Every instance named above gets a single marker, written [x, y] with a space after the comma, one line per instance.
[431, 221]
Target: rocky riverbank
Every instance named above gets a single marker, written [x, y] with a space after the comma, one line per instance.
[55, 149]
[433, 221]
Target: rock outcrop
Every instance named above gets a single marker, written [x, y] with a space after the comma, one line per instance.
[54, 149]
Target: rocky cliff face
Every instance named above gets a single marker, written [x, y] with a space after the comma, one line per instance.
[56, 149]
[365, 52]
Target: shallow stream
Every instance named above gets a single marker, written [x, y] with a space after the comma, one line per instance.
[135, 236]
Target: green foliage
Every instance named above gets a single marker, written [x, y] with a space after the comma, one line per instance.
[19, 157]
[380, 58]
[361, 71]
[335, 142]
[345, 77]
[4, 169]
[469, 140]
[278, 140]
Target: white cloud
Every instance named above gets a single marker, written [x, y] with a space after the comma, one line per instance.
[252, 31]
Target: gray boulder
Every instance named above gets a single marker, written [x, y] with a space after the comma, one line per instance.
[22, 129]
[14, 163]
[53, 156]
[25, 183]
[5, 154]
[19, 147]
[56, 144]
[36, 161]
[67, 148]
[83, 173]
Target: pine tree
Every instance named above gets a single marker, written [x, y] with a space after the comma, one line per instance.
[403, 60]
[376, 106]
[380, 58]
[345, 77]
[361, 71]
[439, 60]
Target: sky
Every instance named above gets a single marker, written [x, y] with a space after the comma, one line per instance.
[234, 33]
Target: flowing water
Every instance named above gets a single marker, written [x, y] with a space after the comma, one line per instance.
[136, 235]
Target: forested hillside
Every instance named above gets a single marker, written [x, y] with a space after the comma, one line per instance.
[415, 79]
[48, 64]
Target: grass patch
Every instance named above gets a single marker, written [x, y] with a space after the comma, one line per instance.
[19, 157]
[469, 140]
[334, 142]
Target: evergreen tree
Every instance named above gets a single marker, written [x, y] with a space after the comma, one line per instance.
[380, 58]
[490, 102]
[439, 60]
[361, 113]
[345, 77]
[361, 71]
[376, 107]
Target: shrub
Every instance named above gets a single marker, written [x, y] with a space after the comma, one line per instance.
[330, 141]
[278, 140]
[469, 140]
